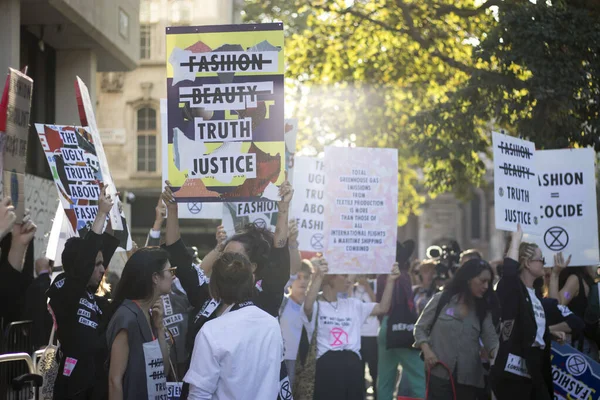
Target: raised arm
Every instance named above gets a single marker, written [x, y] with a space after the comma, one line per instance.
[153, 238]
[286, 192]
[211, 257]
[515, 242]
[173, 234]
[104, 202]
[571, 287]
[386, 300]
[22, 235]
[295, 257]
[320, 269]
[7, 217]
[193, 280]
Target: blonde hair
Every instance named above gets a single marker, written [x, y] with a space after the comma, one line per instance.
[526, 251]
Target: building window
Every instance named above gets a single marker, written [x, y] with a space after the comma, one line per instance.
[476, 217]
[146, 140]
[145, 42]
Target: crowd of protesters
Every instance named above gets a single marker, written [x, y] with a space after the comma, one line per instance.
[253, 320]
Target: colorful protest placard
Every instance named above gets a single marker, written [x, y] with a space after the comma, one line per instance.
[515, 184]
[193, 209]
[237, 215]
[71, 155]
[308, 203]
[87, 117]
[225, 112]
[568, 217]
[575, 376]
[361, 209]
[14, 123]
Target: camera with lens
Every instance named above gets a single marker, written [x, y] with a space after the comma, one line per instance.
[447, 258]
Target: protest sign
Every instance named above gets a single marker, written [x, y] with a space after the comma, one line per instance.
[60, 233]
[14, 123]
[193, 209]
[515, 184]
[76, 171]
[174, 390]
[361, 209]
[87, 117]
[225, 99]
[568, 217]
[239, 214]
[308, 203]
[575, 375]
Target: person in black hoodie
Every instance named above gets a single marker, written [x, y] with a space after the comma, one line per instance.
[80, 316]
[522, 365]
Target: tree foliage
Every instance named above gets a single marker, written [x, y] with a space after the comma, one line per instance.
[433, 77]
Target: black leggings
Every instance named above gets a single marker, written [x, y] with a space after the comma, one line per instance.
[339, 376]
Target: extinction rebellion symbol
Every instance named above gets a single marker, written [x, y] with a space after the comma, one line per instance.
[316, 241]
[576, 365]
[556, 238]
[194, 208]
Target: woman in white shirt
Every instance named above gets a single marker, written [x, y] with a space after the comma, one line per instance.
[238, 354]
[339, 371]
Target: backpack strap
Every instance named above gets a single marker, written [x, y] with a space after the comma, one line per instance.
[438, 310]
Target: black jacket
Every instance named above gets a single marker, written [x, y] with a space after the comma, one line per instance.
[36, 309]
[13, 284]
[517, 334]
[81, 319]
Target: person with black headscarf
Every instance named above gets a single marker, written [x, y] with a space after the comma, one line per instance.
[81, 317]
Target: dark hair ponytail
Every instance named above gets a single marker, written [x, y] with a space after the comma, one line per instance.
[257, 243]
[231, 280]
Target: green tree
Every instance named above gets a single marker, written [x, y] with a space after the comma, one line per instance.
[433, 77]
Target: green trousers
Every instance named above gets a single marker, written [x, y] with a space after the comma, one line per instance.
[413, 370]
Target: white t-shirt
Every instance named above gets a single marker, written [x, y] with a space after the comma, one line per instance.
[290, 321]
[237, 356]
[540, 319]
[371, 326]
[338, 329]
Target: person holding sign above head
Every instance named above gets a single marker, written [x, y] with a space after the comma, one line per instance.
[335, 323]
[80, 315]
[238, 354]
[572, 287]
[522, 364]
[268, 253]
[450, 329]
[139, 355]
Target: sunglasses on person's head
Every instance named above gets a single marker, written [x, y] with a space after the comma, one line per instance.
[542, 260]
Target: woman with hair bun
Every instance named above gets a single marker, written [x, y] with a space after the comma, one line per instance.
[238, 354]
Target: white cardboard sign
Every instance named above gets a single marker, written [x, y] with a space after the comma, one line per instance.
[308, 206]
[515, 184]
[361, 209]
[567, 205]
